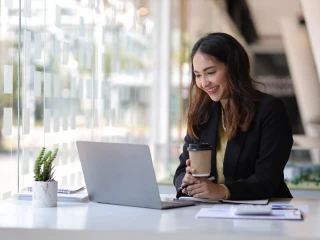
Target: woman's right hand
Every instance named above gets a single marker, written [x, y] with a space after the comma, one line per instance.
[188, 179]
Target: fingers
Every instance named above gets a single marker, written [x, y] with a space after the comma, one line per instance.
[188, 162]
[204, 190]
[193, 189]
[200, 195]
[184, 191]
[189, 170]
[188, 180]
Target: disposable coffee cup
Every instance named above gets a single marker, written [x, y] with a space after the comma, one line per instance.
[200, 158]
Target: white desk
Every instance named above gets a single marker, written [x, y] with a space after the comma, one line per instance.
[117, 222]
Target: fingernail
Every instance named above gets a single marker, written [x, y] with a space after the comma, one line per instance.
[190, 181]
[198, 181]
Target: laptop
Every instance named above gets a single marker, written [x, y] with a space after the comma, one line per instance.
[122, 174]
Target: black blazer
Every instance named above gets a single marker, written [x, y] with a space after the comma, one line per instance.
[254, 160]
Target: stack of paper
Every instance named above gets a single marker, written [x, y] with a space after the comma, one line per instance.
[76, 197]
[65, 189]
[223, 211]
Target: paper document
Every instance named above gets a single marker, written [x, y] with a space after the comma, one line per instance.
[253, 202]
[76, 197]
[204, 200]
[64, 189]
[223, 211]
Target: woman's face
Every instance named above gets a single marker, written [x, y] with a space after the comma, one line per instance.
[211, 77]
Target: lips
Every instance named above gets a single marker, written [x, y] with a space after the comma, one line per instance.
[212, 90]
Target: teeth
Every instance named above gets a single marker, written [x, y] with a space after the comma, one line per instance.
[212, 89]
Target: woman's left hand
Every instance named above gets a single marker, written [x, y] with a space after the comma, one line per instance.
[206, 189]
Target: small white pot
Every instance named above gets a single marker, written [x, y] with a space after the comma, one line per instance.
[44, 194]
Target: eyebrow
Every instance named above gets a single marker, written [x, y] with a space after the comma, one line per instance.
[205, 69]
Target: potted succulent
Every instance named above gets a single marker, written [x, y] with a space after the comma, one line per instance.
[45, 188]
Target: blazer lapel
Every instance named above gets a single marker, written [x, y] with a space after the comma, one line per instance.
[232, 153]
[210, 134]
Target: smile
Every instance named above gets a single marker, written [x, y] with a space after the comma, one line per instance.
[212, 90]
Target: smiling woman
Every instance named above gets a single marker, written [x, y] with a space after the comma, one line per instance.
[249, 131]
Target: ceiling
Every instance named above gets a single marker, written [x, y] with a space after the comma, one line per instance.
[266, 14]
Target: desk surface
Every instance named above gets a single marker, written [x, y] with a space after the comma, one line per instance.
[94, 216]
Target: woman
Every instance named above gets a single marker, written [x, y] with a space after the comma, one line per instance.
[249, 131]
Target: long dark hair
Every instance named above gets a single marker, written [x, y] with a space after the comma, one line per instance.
[240, 108]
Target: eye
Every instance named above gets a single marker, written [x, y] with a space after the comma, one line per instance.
[211, 73]
[197, 76]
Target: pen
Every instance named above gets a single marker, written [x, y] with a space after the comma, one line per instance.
[181, 188]
[283, 207]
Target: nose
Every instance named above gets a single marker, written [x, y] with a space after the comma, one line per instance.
[205, 82]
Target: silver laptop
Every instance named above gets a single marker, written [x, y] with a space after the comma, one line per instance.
[122, 174]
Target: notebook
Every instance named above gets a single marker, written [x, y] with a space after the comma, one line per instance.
[122, 174]
[252, 202]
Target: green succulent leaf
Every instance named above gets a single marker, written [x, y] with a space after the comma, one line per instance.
[38, 163]
[43, 169]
